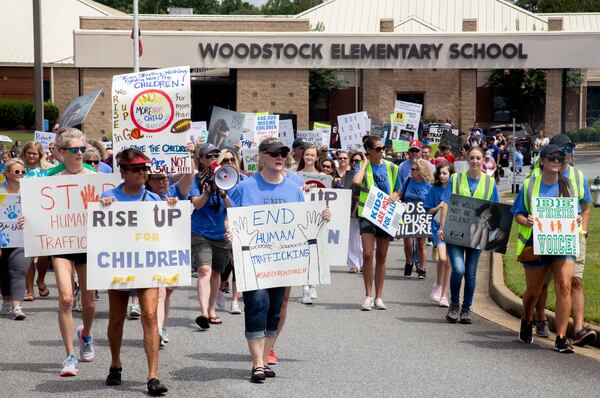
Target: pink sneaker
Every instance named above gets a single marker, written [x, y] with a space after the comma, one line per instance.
[436, 292]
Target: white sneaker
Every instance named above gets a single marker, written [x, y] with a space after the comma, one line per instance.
[235, 308]
[313, 292]
[379, 305]
[306, 296]
[444, 302]
[6, 308]
[134, 310]
[77, 300]
[436, 292]
[368, 304]
[17, 314]
[220, 300]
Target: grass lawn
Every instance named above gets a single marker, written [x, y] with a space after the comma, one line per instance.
[514, 276]
[22, 135]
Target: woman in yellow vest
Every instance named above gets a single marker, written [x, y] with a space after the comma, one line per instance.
[476, 184]
[384, 175]
[550, 182]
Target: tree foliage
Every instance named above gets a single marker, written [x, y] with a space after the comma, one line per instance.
[223, 7]
[559, 5]
[524, 91]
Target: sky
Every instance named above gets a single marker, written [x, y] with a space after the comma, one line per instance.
[257, 2]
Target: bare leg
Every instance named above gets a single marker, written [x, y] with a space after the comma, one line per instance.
[29, 281]
[577, 302]
[63, 270]
[540, 306]
[257, 350]
[563, 272]
[203, 289]
[42, 268]
[445, 269]
[408, 250]
[215, 283]
[534, 281]
[269, 344]
[88, 301]
[380, 258]
[368, 243]
[422, 253]
[160, 310]
[117, 309]
[149, 303]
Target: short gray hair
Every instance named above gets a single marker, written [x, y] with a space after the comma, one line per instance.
[68, 135]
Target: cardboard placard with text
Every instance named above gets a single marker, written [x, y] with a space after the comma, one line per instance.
[416, 221]
[10, 211]
[555, 229]
[382, 212]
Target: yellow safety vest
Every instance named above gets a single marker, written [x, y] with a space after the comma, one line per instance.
[576, 178]
[531, 189]
[368, 181]
[484, 190]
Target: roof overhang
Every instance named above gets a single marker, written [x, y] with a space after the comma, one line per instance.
[305, 50]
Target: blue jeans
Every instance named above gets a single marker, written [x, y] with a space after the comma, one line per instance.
[261, 312]
[462, 267]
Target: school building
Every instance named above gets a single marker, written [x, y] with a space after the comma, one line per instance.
[435, 52]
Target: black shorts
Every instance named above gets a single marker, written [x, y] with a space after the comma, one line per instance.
[77, 258]
[367, 227]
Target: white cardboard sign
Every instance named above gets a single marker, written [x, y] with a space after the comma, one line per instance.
[10, 211]
[382, 212]
[316, 180]
[352, 128]
[555, 229]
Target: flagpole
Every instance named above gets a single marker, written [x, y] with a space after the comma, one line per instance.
[136, 38]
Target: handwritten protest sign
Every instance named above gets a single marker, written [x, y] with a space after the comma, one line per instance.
[382, 212]
[151, 110]
[436, 133]
[516, 178]
[138, 245]
[286, 132]
[266, 126]
[55, 211]
[478, 224]
[338, 229]
[78, 109]
[10, 211]
[225, 129]
[416, 222]
[316, 180]
[412, 117]
[279, 245]
[555, 229]
[199, 132]
[312, 137]
[250, 158]
[325, 130]
[44, 138]
[352, 128]
[399, 146]
[247, 136]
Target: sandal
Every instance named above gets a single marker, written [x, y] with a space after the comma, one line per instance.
[202, 321]
[214, 320]
[43, 291]
[258, 375]
[269, 372]
[353, 270]
[28, 297]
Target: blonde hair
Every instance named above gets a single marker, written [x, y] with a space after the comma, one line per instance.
[69, 134]
[424, 170]
[236, 160]
[43, 163]
[11, 162]
[91, 153]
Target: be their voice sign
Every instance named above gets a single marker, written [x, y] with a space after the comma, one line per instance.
[138, 245]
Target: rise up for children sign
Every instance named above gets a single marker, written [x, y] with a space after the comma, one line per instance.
[555, 229]
[138, 245]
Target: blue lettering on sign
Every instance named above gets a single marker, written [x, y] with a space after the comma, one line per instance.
[275, 236]
[334, 236]
[279, 216]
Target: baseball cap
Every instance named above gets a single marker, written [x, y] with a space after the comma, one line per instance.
[272, 145]
[550, 150]
[299, 143]
[415, 144]
[205, 149]
[563, 141]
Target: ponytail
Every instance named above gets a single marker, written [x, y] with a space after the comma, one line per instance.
[563, 186]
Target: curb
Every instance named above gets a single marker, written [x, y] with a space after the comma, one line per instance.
[512, 303]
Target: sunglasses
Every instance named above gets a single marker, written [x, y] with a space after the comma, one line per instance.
[414, 150]
[227, 160]
[17, 172]
[342, 158]
[355, 161]
[379, 149]
[567, 149]
[281, 153]
[556, 158]
[94, 162]
[75, 149]
[212, 156]
[413, 169]
[137, 169]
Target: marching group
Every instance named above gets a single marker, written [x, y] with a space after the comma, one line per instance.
[420, 178]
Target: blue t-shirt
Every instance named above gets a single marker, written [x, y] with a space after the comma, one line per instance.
[120, 196]
[434, 197]
[472, 187]
[173, 192]
[104, 168]
[415, 191]
[256, 191]
[380, 176]
[295, 178]
[209, 221]
[546, 191]
[518, 160]
[404, 170]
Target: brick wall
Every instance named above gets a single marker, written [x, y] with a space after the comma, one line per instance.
[197, 24]
[18, 83]
[441, 88]
[66, 87]
[274, 90]
[553, 101]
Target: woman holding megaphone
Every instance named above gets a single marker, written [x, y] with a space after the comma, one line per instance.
[210, 250]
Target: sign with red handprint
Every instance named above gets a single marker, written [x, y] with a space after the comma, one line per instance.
[55, 211]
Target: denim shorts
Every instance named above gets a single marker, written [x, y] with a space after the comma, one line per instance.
[546, 261]
[261, 312]
[367, 227]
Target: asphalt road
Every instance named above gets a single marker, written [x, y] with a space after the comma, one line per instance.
[329, 349]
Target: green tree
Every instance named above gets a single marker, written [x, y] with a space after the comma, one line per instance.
[279, 7]
[559, 5]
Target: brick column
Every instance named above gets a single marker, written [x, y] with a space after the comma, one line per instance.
[555, 24]
[469, 25]
[386, 25]
[552, 123]
[467, 109]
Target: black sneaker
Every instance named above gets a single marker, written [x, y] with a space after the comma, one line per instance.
[465, 316]
[542, 329]
[452, 315]
[408, 270]
[584, 336]
[563, 345]
[156, 389]
[422, 273]
[114, 377]
[526, 332]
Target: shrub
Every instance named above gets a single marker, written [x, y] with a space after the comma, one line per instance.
[15, 113]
